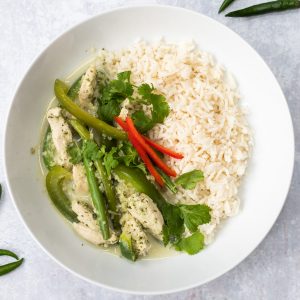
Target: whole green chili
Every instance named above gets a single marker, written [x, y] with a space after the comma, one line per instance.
[10, 267]
[265, 8]
[8, 253]
[225, 4]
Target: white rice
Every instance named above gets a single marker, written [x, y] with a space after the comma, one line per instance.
[205, 123]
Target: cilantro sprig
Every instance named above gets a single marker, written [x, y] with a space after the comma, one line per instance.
[160, 108]
[113, 94]
[117, 90]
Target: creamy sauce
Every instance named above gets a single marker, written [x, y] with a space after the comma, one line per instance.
[157, 250]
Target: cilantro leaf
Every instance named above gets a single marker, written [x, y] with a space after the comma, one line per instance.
[142, 167]
[141, 121]
[173, 228]
[91, 151]
[195, 215]
[110, 160]
[124, 76]
[160, 108]
[75, 154]
[190, 179]
[113, 94]
[129, 154]
[192, 244]
[130, 157]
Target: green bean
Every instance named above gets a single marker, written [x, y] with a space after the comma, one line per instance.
[108, 188]
[97, 198]
[80, 129]
[10, 267]
[225, 4]
[60, 89]
[74, 89]
[54, 180]
[0, 190]
[265, 8]
[8, 253]
[109, 192]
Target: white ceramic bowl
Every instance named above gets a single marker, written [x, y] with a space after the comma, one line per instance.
[263, 192]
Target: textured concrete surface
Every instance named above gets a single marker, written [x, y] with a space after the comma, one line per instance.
[272, 271]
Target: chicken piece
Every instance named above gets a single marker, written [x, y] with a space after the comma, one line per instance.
[142, 208]
[93, 236]
[88, 227]
[85, 214]
[133, 228]
[61, 135]
[80, 180]
[87, 88]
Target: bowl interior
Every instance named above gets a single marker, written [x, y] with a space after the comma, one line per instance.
[261, 196]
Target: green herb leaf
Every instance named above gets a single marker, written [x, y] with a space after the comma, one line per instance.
[192, 244]
[75, 153]
[8, 253]
[91, 150]
[110, 160]
[174, 228]
[195, 215]
[190, 179]
[160, 108]
[130, 157]
[113, 94]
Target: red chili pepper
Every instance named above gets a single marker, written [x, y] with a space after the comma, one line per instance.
[148, 149]
[142, 153]
[159, 147]
[121, 123]
[163, 149]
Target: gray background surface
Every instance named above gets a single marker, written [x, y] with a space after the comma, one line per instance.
[272, 271]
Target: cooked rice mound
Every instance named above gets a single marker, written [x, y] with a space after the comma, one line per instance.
[206, 122]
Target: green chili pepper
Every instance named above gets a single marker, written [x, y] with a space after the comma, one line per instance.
[80, 129]
[74, 89]
[225, 4]
[54, 180]
[97, 198]
[10, 267]
[60, 89]
[265, 8]
[8, 253]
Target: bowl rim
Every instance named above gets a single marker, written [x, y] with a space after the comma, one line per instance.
[61, 36]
